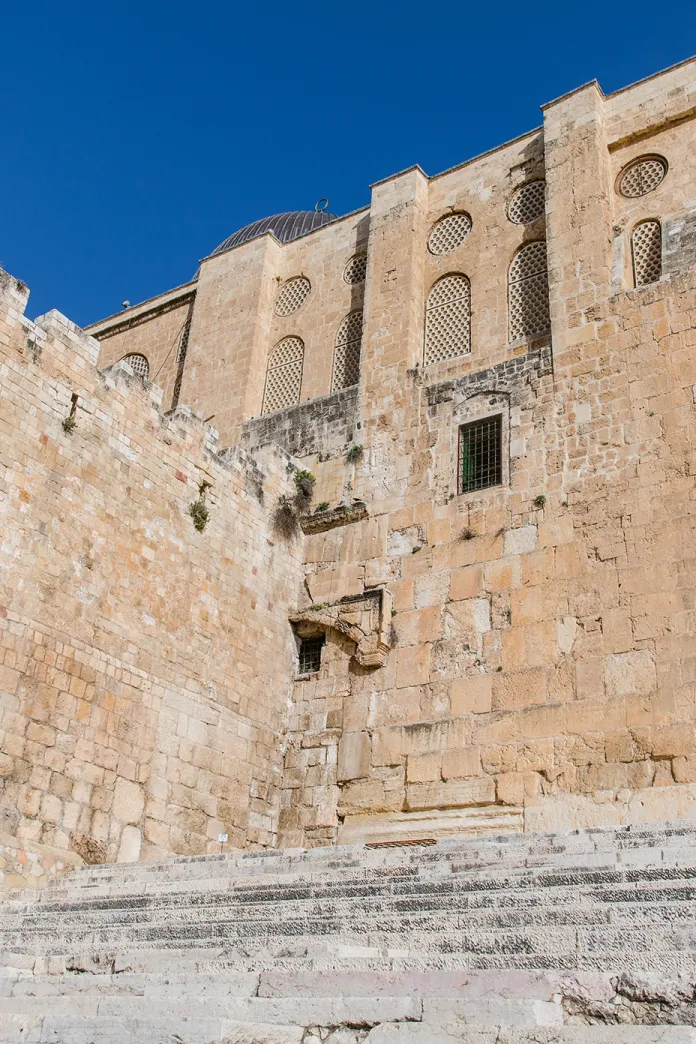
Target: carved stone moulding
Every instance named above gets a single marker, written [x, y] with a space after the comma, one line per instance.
[365, 619]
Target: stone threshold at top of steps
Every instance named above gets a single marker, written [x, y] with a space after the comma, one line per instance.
[488, 849]
[140, 879]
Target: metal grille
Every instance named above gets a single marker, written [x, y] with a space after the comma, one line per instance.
[138, 364]
[642, 176]
[420, 842]
[291, 295]
[480, 454]
[449, 233]
[448, 319]
[310, 654]
[284, 375]
[346, 371]
[528, 291]
[183, 342]
[526, 204]
[646, 242]
[356, 269]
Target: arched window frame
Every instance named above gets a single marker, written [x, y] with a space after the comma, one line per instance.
[646, 253]
[347, 350]
[284, 371]
[141, 368]
[447, 326]
[528, 292]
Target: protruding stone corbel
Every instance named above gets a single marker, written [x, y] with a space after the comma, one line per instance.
[365, 619]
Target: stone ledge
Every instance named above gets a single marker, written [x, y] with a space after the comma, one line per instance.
[342, 515]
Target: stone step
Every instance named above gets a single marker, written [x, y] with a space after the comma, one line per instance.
[389, 878]
[610, 841]
[232, 925]
[80, 1029]
[407, 944]
[612, 901]
[85, 881]
[577, 882]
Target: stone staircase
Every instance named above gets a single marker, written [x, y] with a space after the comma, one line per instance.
[580, 938]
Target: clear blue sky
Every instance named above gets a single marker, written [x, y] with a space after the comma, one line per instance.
[137, 136]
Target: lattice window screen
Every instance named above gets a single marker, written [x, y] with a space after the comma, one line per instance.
[291, 295]
[528, 291]
[138, 364]
[346, 369]
[448, 319]
[356, 269]
[642, 176]
[527, 203]
[449, 233]
[284, 375]
[646, 242]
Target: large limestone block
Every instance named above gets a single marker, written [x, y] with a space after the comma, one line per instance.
[630, 673]
[353, 756]
[450, 795]
[129, 801]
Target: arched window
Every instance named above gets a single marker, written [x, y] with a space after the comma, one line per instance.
[646, 244]
[346, 367]
[138, 364]
[284, 375]
[448, 318]
[528, 291]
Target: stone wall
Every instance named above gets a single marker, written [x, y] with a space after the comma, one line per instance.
[516, 657]
[140, 712]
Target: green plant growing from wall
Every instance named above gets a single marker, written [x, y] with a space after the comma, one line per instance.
[304, 481]
[200, 515]
[70, 422]
[198, 510]
[324, 506]
[539, 500]
[354, 454]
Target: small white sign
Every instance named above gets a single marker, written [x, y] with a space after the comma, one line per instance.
[222, 838]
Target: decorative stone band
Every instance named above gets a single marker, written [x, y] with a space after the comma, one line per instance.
[331, 519]
[365, 619]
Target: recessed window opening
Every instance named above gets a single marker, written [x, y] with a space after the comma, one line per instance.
[346, 368]
[641, 176]
[284, 375]
[310, 654]
[138, 364]
[448, 319]
[528, 291]
[480, 454]
[646, 243]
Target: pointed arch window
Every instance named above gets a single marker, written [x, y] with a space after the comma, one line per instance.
[528, 291]
[448, 318]
[284, 375]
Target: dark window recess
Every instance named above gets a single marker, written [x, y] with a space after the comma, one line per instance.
[310, 654]
[480, 454]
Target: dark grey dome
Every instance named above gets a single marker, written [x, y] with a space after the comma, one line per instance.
[292, 225]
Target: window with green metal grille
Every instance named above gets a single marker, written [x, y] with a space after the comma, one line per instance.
[310, 654]
[480, 454]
